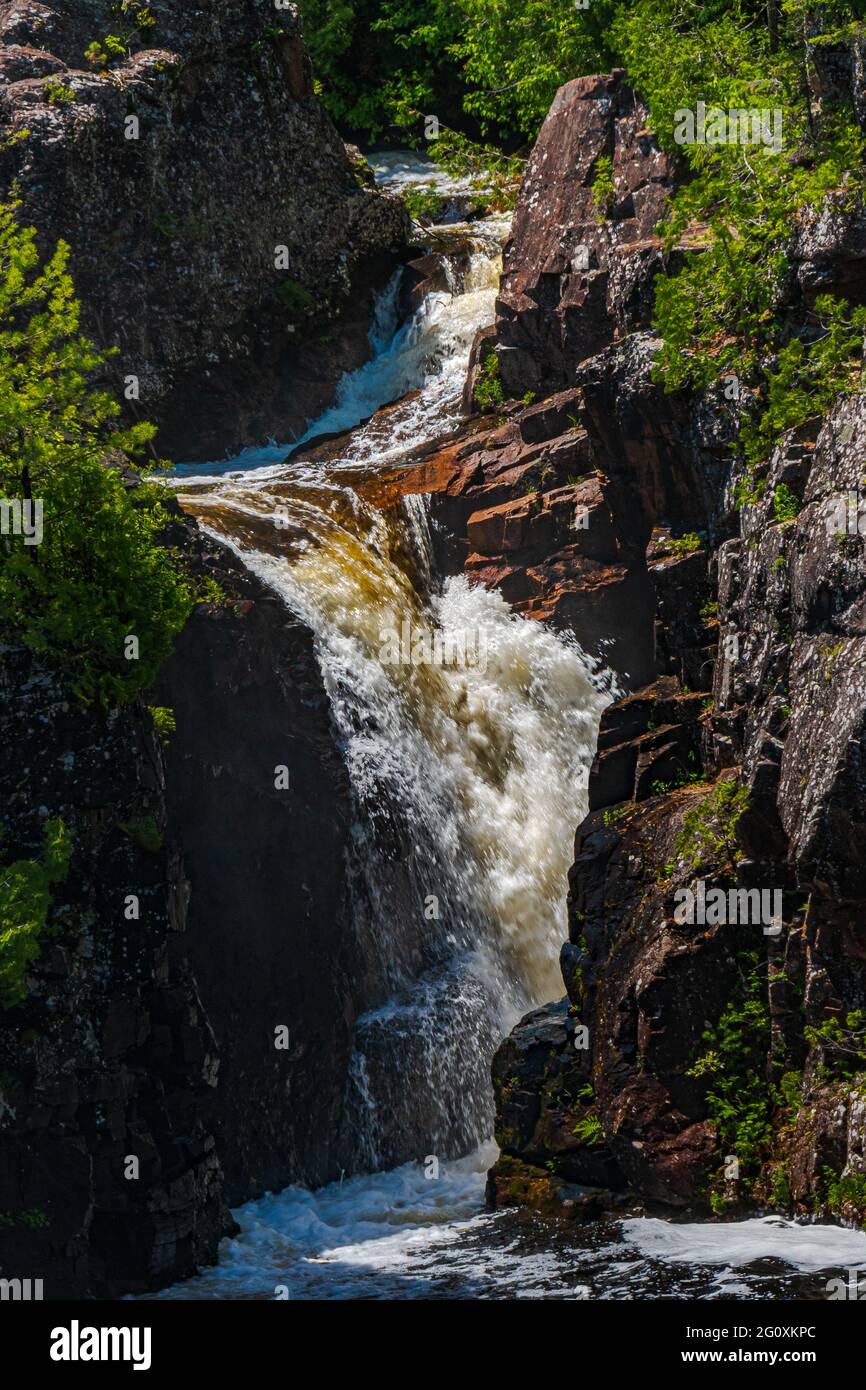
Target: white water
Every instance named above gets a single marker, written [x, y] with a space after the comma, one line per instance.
[477, 775]
[428, 354]
[402, 170]
[398, 1235]
[468, 780]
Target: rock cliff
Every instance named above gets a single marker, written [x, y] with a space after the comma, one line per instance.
[705, 1060]
[222, 237]
[144, 1085]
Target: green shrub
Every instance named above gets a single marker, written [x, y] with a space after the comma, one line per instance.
[785, 506]
[495, 176]
[489, 393]
[603, 191]
[708, 834]
[424, 203]
[163, 722]
[116, 48]
[103, 52]
[25, 900]
[709, 611]
[719, 314]
[842, 1043]
[499, 63]
[34, 1219]
[848, 1191]
[98, 578]
[144, 832]
[515, 56]
[683, 545]
[791, 1091]
[588, 1130]
[57, 93]
[295, 297]
[739, 1098]
[781, 1193]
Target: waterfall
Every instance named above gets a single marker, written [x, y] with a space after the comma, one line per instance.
[468, 777]
[468, 781]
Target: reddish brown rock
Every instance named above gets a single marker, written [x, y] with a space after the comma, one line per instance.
[574, 278]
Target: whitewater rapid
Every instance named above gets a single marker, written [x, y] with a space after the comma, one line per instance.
[468, 777]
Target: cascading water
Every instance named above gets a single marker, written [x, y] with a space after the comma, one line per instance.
[468, 779]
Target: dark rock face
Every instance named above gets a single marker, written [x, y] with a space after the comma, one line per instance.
[793, 706]
[742, 649]
[175, 233]
[155, 1037]
[111, 1056]
[581, 258]
[269, 929]
[544, 1118]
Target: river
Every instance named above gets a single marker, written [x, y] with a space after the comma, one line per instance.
[480, 768]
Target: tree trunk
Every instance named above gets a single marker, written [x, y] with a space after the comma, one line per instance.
[773, 24]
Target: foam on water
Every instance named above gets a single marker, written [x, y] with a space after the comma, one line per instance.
[402, 1235]
[468, 779]
[737, 1244]
[429, 354]
[402, 170]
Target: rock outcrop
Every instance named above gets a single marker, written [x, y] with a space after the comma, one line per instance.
[545, 503]
[523, 510]
[145, 1082]
[722, 1047]
[269, 931]
[110, 1180]
[583, 249]
[222, 238]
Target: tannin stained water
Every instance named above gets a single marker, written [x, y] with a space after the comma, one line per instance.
[468, 778]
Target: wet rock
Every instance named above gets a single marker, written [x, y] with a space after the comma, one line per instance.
[153, 1037]
[545, 1116]
[269, 926]
[512, 1183]
[110, 1058]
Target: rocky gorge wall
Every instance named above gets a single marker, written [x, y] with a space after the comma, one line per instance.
[223, 238]
[258, 795]
[143, 1084]
[591, 500]
[733, 759]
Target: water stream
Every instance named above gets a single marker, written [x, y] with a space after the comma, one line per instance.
[468, 777]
